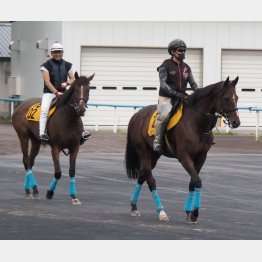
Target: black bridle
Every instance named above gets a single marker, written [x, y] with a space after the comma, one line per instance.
[79, 111]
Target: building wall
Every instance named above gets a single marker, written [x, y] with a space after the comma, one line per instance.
[25, 65]
[210, 36]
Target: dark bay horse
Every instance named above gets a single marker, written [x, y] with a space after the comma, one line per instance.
[64, 129]
[189, 141]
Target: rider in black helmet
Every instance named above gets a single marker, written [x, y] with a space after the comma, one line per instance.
[174, 74]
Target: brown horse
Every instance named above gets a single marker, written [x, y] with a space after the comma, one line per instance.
[189, 141]
[64, 129]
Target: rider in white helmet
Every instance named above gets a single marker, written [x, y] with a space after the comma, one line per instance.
[58, 75]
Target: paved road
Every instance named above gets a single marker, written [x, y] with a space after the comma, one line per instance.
[231, 203]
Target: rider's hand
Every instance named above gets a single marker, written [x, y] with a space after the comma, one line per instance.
[58, 94]
[64, 85]
[181, 96]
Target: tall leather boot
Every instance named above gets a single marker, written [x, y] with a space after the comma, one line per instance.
[158, 141]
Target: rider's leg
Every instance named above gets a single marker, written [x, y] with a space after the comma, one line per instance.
[45, 106]
[164, 107]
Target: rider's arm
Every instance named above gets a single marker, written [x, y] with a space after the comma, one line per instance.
[71, 77]
[163, 82]
[46, 78]
[192, 81]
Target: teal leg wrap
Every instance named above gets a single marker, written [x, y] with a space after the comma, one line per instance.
[53, 184]
[72, 186]
[33, 181]
[188, 206]
[30, 181]
[197, 200]
[157, 201]
[27, 183]
[135, 195]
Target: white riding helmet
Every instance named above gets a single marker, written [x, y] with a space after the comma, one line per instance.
[57, 47]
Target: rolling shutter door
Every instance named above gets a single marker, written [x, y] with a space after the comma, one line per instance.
[248, 66]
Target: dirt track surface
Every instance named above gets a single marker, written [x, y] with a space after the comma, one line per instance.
[108, 142]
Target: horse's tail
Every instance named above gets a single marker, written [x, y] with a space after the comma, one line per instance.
[132, 162]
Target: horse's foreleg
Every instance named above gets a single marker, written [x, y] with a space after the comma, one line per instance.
[193, 199]
[55, 155]
[72, 185]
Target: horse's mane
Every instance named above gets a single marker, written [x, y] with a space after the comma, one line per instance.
[63, 99]
[202, 92]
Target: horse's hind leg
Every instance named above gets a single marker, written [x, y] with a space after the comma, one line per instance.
[146, 165]
[33, 153]
[135, 195]
[24, 142]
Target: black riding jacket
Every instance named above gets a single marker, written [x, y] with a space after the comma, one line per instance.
[174, 78]
[58, 71]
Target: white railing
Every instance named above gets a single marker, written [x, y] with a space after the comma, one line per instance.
[12, 102]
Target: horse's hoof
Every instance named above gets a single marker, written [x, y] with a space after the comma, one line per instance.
[49, 194]
[191, 219]
[163, 216]
[36, 196]
[29, 196]
[76, 202]
[135, 213]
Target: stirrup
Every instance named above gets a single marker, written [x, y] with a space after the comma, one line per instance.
[157, 148]
[44, 138]
[86, 135]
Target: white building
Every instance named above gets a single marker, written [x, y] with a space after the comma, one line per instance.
[124, 57]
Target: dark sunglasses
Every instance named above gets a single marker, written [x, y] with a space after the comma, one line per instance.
[57, 52]
[181, 50]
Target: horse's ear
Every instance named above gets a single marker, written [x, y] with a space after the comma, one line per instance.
[227, 81]
[76, 75]
[91, 77]
[235, 81]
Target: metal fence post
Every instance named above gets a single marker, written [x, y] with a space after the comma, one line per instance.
[257, 125]
[96, 127]
[115, 119]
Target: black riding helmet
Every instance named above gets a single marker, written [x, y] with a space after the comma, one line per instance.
[175, 44]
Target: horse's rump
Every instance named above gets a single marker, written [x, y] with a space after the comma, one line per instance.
[19, 121]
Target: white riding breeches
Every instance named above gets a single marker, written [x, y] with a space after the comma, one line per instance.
[45, 106]
[164, 107]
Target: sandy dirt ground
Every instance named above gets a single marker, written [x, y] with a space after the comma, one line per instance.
[108, 142]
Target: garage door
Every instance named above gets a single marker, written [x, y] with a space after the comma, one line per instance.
[126, 76]
[248, 66]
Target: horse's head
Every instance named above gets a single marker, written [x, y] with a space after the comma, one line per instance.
[228, 103]
[78, 94]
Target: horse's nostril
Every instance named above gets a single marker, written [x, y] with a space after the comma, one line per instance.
[235, 124]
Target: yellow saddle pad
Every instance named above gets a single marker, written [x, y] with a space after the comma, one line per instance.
[33, 114]
[172, 122]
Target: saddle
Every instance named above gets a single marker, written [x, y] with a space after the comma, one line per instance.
[176, 114]
[33, 114]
